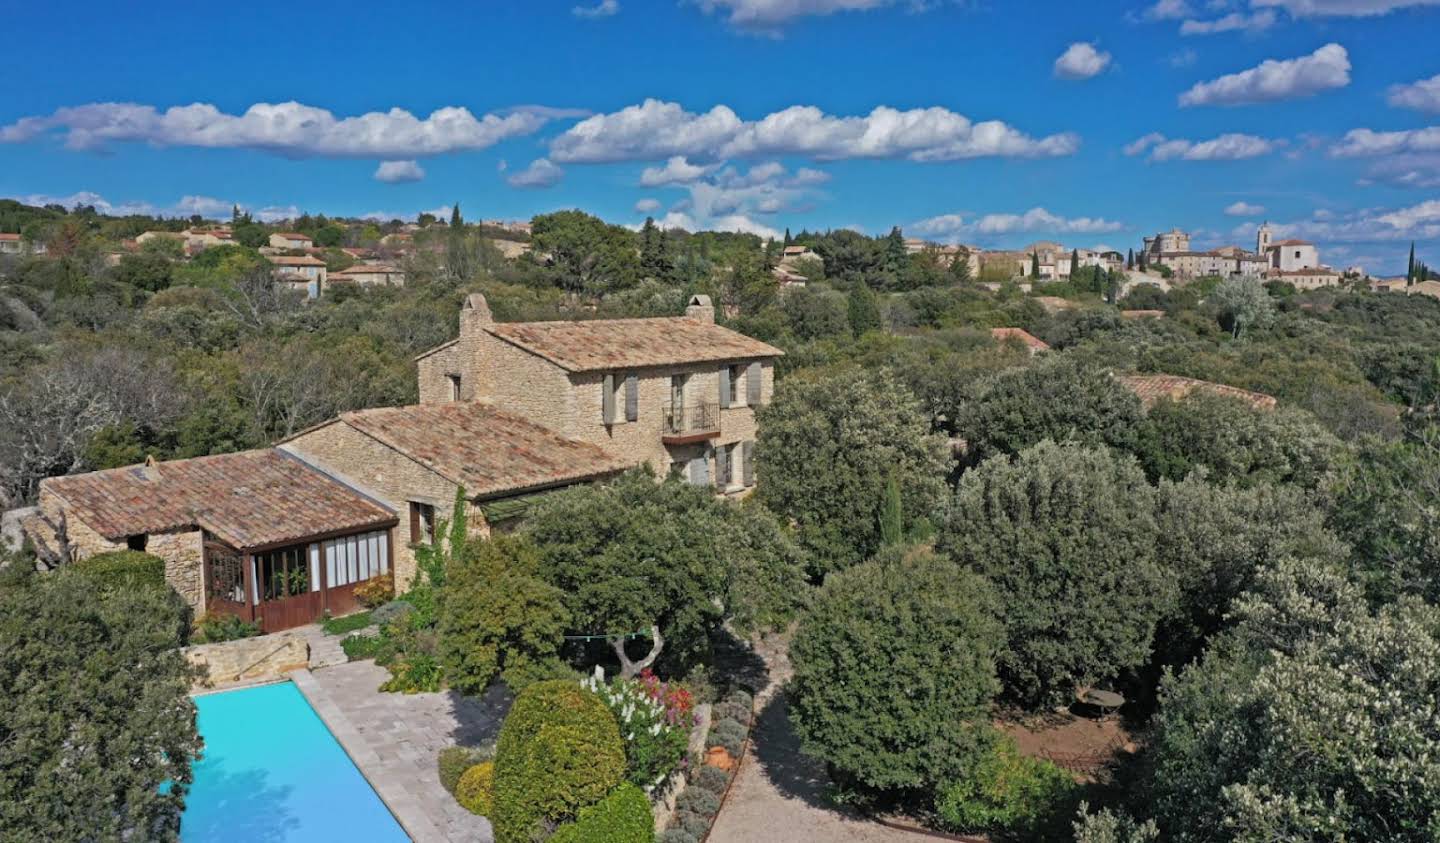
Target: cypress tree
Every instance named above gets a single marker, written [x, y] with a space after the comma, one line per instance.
[455, 220]
[1130, 259]
[1410, 267]
[1074, 263]
[1034, 264]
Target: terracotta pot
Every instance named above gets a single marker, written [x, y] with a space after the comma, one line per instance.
[717, 757]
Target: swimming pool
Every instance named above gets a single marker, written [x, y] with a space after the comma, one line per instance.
[272, 773]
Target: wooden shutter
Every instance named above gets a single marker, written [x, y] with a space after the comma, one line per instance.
[752, 385]
[632, 397]
[607, 400]
[724, 387]
[700, 471]
[722, 466]
[747, 462]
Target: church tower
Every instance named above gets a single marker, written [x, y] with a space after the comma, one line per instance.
[1262, 239]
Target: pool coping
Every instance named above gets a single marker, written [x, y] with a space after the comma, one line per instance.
[411, 817]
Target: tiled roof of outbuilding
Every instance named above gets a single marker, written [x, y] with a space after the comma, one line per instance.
[604, 344]
[1151, 388]
[483, 448]
[1024, 336]
[248, 499]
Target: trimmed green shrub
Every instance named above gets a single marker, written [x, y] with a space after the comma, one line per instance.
[678, 835]
[453, 761]
[122, 569]
[712, 779]
[211, 629]
[728, 731]
[694, 824]
[476, 789]
[559, 751]
[702, 802]
[359, 647]
[622, 817]
[1010, 793]
[391, 611]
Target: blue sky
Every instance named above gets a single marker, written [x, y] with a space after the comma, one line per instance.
[979, 122]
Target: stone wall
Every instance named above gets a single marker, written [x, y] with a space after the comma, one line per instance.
[248, 659]
[183, 553]
[388, 476]
[84, 541]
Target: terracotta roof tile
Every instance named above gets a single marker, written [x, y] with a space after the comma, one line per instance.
[1024, 336]
[12, 238]
[630, 343]
[248, 499]
[1142, 314]
[295, 260]
[483, 448]
[1151, 388]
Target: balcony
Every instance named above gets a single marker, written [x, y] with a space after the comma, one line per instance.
[687, 424]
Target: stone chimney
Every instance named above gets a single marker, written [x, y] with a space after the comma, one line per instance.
[151, 470]
[474, 315]
[701, 309]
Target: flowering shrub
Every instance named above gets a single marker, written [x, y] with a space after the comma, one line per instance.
[655, 718]
[375, 591]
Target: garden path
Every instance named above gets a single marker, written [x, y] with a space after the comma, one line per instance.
[778, 795]
[394, 739]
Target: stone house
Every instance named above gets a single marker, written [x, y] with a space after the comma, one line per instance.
[676, 393]
[258, 534]
[369, 275]
[291, 240]
[413, 459]
[508, 412]
[304, 273]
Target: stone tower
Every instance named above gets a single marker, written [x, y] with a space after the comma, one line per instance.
[1262, 239]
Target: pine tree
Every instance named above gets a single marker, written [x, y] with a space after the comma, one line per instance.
[960, 267]
[895, 254]
[455, 220]
[788, 241]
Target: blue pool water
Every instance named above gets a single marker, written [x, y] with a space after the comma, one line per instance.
[272, 773]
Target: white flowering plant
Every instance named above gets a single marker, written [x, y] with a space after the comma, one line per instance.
[655, 719]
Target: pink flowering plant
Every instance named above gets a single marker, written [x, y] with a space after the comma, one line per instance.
[655, 719]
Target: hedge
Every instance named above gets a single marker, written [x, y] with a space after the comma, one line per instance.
[622, 817]
[453, 761]
[476, 789]
[122, 569]
[559, 751]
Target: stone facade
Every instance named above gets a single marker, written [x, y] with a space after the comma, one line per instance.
[386, 475]
[248, 659]
[481, 366]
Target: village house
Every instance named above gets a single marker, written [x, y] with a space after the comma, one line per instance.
[258, 534]
[1031, 342]
[304, 273]
[11, 244]
[291, 240]
[369, 275]
[509, 412]
[676, 393]
[1152, 388]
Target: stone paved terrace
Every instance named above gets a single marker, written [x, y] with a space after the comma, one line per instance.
[394, 738]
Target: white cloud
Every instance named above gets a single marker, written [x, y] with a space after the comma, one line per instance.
[1423, 95]
[1342, 8]
[1416, 172]
[1183, 58]
[190, 205]
[1359, 143]
[655, 130]
[1081, 61]
[953, 227]
[676, 171]
[1233, 22]
[276, 213]
[1168, 10]
[727, 198]
[604, 9]
[1244, 209]
[1415, 222]
[1227, 147]
[539, 175]
[287, 128]
[1326, 68]
[395, 172]
[647, 206]
[769, 14]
